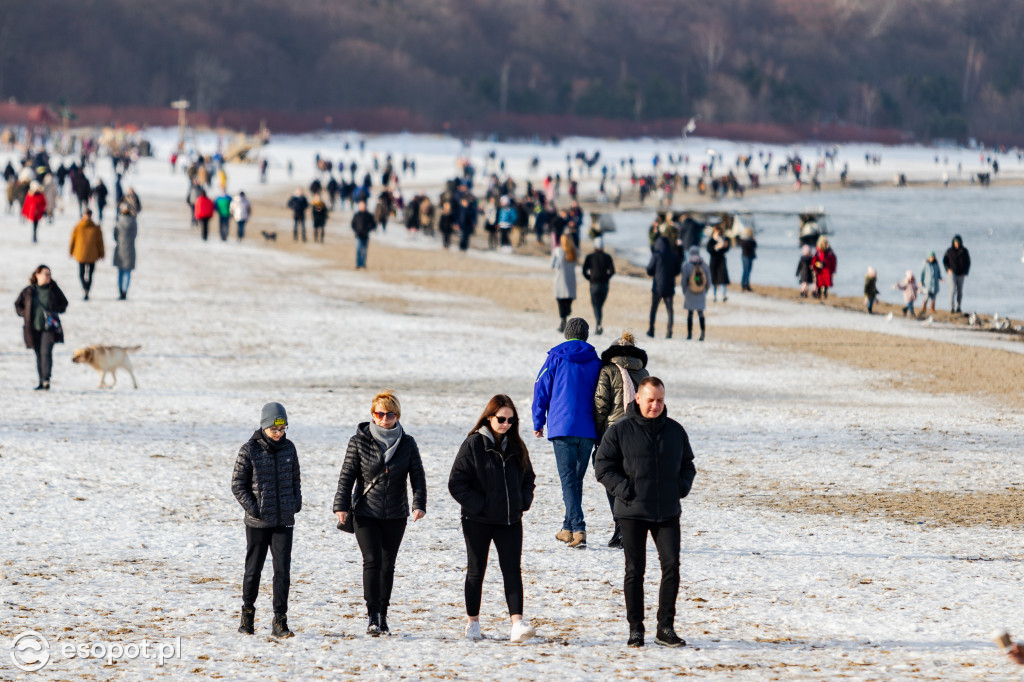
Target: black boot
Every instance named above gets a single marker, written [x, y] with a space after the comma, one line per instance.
[248, 617]
[281, 627]
[616, 541]
[561, 325]
[668, 637]
[702, 329]
[373, 627]
[636, 638]
[689, 329]
[383, 622]
[650, 331]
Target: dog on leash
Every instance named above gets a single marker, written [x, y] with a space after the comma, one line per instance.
[107, 360]
[269, 236]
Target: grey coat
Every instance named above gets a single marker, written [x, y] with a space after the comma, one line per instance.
[565, 275]
[691, 300]
[931, 274]
[266, 482]
[125, 231]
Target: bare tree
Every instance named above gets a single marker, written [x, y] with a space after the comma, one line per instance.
[211, 79]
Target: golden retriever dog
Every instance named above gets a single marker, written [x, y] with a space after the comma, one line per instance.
[107, 360]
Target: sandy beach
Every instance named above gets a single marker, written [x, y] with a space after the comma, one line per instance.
[854, 512]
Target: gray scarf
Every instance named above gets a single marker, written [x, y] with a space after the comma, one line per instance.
[388, 438]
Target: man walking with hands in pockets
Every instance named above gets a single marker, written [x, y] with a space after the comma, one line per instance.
[646, 464]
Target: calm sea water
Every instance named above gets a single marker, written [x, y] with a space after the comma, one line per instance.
[890, 229]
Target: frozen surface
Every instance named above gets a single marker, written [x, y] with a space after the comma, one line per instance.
[121, 524]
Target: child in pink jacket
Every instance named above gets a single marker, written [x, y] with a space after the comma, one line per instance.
[910, 289]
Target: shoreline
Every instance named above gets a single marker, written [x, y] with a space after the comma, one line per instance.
[917, 364]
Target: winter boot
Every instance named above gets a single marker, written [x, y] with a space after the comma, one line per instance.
[702, 329]
[248, 617]
[564, 535]
[668, 637]
[650, 331]
[689, 329]
[579, 540]
[281, 627]
[636, 638]
[561, 325]
[383, 622]
[616, 541]
[373, 627]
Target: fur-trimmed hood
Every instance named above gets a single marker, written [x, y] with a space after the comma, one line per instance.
[617, 351]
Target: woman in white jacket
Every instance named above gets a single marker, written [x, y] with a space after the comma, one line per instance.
[240, 211]
[563, 261]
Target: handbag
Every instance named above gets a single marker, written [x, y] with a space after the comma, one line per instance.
[52, 323]
[349, 526]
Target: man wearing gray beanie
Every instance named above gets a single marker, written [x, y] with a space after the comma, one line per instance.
[563, 399]
[266, 483]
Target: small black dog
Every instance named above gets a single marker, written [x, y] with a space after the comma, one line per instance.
[269, 236]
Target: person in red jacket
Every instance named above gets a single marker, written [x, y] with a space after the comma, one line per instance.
[34, 207]
[203, 212]
[824, 266]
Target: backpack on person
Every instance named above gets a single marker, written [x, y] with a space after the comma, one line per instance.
[697, 282]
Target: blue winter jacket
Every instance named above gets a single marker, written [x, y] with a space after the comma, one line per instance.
[563, 395]
[507, 216]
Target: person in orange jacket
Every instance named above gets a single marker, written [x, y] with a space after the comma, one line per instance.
[86, 248]
[203, 212]
[34, 207]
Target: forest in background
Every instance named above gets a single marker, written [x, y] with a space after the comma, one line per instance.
[936, 68]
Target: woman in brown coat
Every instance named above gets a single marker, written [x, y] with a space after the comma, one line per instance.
[40, 303]
[86, 248]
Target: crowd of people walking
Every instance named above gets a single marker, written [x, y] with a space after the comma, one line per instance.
[644, 461]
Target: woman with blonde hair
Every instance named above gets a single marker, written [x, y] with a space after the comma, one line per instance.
[372, 487]
[492, 478]
[824, 266]
[563, 262]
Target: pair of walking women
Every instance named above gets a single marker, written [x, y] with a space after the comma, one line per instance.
[491, 478]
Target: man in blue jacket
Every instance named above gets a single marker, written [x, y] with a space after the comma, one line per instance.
[563, 397]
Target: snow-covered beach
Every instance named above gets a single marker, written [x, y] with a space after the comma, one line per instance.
[122, 526]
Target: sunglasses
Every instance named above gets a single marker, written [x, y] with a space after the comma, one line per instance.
[502, 420]
[382, 415]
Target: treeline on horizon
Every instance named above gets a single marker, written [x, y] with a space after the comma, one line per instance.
[937, 68]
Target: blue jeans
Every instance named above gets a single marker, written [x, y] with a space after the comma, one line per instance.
[241, 229]
[361, 245]
[124, 278]
[748, 263]
[572, 455]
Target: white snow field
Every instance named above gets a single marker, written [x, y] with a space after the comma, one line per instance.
[120, 526]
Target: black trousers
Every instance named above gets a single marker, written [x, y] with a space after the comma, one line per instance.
[296, 224]
[42, 344]
[634, 544]
[564, 307]
[257, 541]
[85, 271]
[655, 300]
[318, 233]
[508, 541]
[598, 295]
[206, 228]
[379, 541]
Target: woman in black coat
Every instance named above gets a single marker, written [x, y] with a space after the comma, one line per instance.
[380, 458]
[492, 478]
[717, 247]
[40, 303]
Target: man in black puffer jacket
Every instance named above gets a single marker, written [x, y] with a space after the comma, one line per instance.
[646, 463]
[266, 483]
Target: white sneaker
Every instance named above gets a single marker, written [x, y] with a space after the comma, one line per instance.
[473, 630]
[521, 631]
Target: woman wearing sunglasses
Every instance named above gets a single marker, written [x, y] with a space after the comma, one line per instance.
[493, 480]
[379, 460]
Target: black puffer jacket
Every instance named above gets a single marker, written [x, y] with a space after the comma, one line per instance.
[488, 483]
[646, 465]
[389, 498]
[266, 482]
